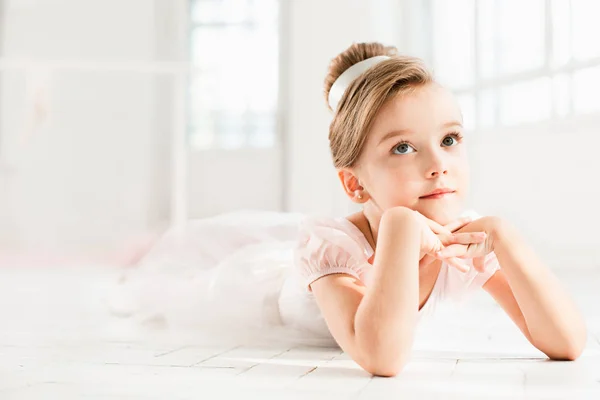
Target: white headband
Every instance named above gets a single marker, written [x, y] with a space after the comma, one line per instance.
[345, 79]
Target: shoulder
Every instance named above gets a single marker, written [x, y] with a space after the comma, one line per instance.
[337, 232]
[329, 245]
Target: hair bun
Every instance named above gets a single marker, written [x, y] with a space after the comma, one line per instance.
[354, 54]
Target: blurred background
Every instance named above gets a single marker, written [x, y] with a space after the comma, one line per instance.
[119, 118]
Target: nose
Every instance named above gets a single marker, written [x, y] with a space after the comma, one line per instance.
[437, 165]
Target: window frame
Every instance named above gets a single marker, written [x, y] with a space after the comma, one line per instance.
[425, 13]
[277, 140]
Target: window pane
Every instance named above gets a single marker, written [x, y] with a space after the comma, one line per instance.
[262, 130]
[228, 11]
[220, 128]
[586, 84]
[215, 91]
[486, 25]
[525, 102]
[453, 42]
[262, 140]
[231, 129]
[234, 96]
[586, 28]
[561, 32]
[233, 11]
[265, 11]
[235, 46]
[511, 39]
[510, 36]
[231, 140]
[233, 89]
[520, 35]
[202, 141]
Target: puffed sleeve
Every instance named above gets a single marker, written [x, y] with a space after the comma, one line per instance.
[331, 246]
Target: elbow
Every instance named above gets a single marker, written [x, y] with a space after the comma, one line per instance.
[384, 370]
[569, 355]
[387, 367]
[569, 350]
[384, 353]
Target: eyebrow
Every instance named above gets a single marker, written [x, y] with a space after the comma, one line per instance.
[401, 132]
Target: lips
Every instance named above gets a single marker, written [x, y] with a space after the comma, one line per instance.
[438, 193]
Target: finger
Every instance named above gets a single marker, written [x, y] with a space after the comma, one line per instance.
[454, 262]
[458, 264]
[466, 238]
[454, 250]
[437, 228]
[459, 223]
[434, 226]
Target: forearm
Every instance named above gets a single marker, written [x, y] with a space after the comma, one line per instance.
[555, 324]
[386, 317]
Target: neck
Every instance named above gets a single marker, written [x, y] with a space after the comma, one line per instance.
[372, 220]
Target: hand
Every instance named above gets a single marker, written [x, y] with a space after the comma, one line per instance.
[444, 233]
[436, 237]
[476, 251]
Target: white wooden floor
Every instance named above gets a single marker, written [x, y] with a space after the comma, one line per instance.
[57, 342]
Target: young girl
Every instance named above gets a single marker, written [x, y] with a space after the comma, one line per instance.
[398, 144]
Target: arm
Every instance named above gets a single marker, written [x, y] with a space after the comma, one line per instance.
[375, 324]
[533, 297]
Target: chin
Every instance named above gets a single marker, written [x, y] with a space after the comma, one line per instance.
[443, 215]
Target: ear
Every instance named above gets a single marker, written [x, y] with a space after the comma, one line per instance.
[352, 186]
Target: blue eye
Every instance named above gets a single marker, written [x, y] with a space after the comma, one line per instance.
[451, 140]
[403, 148]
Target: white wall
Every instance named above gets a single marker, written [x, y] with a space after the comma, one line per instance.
[543, 179]
[95, 165]
[228, 180]
[319, 30]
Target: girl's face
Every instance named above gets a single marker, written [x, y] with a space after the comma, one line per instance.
[415, 148]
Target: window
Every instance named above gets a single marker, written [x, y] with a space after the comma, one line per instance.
[234, 87]
[512, 62]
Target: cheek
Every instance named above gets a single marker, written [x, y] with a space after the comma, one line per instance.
[399, 184]
[463, 174]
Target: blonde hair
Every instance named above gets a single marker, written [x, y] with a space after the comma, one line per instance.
[366, 95]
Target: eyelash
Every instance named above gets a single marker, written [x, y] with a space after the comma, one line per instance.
[456, 135]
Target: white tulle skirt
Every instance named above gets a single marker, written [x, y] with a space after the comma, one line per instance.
[228, 278]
